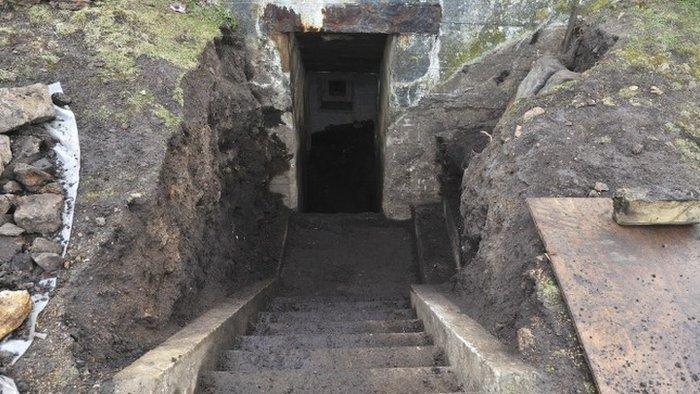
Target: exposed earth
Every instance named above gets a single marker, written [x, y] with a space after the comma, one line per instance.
[174, 210]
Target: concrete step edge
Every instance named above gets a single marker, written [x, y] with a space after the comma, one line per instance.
[333, 359]
[340, 327]
[404, 380]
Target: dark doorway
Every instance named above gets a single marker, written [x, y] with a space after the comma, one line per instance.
[339, 144]
[341, 169]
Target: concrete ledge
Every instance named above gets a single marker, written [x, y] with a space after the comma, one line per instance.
[173, 367]
[479, 360]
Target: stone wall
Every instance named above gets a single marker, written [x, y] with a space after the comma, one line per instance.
[429, 42]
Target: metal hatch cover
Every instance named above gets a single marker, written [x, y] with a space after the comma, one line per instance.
[633, 293]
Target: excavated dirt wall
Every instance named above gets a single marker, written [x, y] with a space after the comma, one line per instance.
[212, 226]
[206, 226]
[623, 125]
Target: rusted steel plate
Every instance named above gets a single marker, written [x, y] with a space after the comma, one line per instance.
[633, 293]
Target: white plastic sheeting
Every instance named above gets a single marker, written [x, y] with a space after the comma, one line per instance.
[64, 130]
[39, 301]
[7, 386]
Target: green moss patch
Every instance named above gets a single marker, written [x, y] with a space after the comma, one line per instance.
[119, 31]
[665, 34]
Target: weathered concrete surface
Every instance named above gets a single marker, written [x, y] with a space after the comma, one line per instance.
[350, 17]
[175, 365]
[419, 54]
[480, 361]
[459, 109]
[25, 105]
[436, 262]
[636, 208]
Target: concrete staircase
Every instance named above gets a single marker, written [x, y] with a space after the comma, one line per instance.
[343, 322]
[333, 345]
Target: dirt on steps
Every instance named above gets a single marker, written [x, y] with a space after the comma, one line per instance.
[348, 256]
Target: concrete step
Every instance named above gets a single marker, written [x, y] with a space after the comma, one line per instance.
[336, 315]
[337, 299]
[271, 343]
[340, 327]
[295, 305]
[379, 380]
[338, 359]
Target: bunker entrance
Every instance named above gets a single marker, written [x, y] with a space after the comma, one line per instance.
[337, 88]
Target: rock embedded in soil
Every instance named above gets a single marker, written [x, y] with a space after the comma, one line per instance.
[39, 213]
[61, 99]
[11, 230]
[537, 78]
[43, 245]
[25, 105]
[31, 177]
[533, 113]
[526, 339]
[601, 187]
[49, 262]
[15, 307]
[9, 247]
[560, 77]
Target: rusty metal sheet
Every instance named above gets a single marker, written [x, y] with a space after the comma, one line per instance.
[633, 293]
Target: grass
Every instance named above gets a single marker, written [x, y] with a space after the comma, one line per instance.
[119, 31]
[666, 33]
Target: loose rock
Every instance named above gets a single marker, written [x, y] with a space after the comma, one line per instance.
[526, 339]
[11, 230]
[61, 99]
[12, 187]
[43, 245]
[26, 146]
[9, 247]
[6, 201]
[25, 105]
[5, 150]
[31, 177]
[14, 310]
[49, 262]
[601, 187]
[533, 113]
[52, 188]
[39, 213]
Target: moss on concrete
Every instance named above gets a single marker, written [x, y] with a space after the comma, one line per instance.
[487, 39]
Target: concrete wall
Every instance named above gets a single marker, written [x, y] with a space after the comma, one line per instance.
[364, 100]
[424, 53]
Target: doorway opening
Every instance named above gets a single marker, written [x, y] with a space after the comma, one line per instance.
[337, 87]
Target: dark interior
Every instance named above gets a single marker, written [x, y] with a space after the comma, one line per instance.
[340, 171]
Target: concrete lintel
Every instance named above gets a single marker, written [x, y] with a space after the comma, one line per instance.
[173, 367]
[479, 359]
[386, 18]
